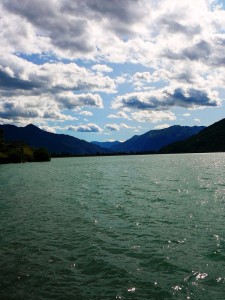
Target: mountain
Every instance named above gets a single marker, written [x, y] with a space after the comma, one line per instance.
[106, 145]
[54, 143]
[154, 140]
[210, 139]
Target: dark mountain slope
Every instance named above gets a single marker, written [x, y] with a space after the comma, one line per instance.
[155, 139]
[211, 139]
[54, 143]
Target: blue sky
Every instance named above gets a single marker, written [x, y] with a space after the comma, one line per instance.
[107, 70]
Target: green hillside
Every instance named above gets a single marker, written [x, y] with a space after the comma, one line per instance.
[16, 152]
[210, 139]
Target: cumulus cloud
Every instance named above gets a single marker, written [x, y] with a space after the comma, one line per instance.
[22, 74]
[48, 128]
[117, 127]
[77, 28]
[115, 31]
[123, 125]
[162, 126]
[10, 82]
[24, 85]
[173, 26]
[112, 127]
[153, 116]
[86, 113]
[86, 128]
[70, 100]
[110, 30]
[36, 107]
[102, 68]
[166, 98]
[120, 114]
[145, 76]
[197, 120]
[180, 45]
[33, 92]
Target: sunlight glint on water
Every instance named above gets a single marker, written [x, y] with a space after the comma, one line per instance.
[129, 227]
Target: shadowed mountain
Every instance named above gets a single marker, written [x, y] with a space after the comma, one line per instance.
[154, 140]
[54, 143]
[210, 139]
[106, 145]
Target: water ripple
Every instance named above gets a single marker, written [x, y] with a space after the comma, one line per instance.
[137, 227]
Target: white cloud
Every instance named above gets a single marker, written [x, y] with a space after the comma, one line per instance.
[112, 116]
[120, 114]
[197, 120]
[162, 126]
[33, 91]
[127, 31]
[86, 113]
[117, 127]
[145, 76]
[52, 76]
[85, 128]
[123, 125]
[112, 127]
[153, 116]
[180, 44]
[102, 68]
[48, 129]
[70, 100]
[32, 108]
[166, 98]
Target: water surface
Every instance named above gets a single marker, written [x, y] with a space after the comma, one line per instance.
[129, 227]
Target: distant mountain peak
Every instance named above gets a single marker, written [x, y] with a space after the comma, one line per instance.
[31, 126]
[210, 139]
[155, 139]
[54, 143]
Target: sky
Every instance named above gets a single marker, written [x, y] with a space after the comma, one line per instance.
[104, 70]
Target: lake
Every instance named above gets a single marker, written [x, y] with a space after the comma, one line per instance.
[123, 227]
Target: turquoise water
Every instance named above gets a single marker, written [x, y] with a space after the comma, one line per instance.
[129, 227]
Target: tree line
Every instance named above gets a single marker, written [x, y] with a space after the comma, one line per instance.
[17, 152]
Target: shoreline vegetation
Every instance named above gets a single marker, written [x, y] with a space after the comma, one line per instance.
[65, 155]
[210, 139]
[22, 153]
[18, 152]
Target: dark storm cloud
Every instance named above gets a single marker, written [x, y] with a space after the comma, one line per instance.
[185, 77]
[199, 51]
[8, 82]
[165, 98]
[173, 26]
[11, 110]
[121, 15]
[65, 31]
[189, 98]
[71, 101]
[211, 54]
[126, 11]
[66, 23]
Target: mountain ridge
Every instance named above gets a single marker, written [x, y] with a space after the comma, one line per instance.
[151, 141]
[53, 142]
[210, 139]
[154, 140]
